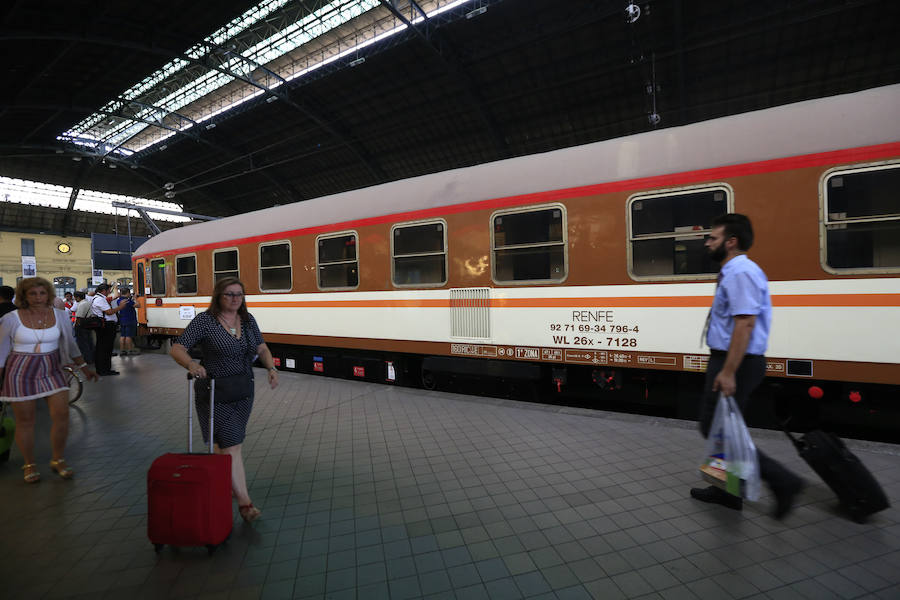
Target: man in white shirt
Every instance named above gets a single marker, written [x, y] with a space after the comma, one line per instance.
[106, 335]
[83, 336]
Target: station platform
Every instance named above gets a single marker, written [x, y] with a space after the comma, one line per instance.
[370, 491]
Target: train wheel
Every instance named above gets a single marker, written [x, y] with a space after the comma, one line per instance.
[429, 381]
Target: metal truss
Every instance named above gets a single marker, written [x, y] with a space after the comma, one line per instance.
[449, 57]
[155, 177]
[217, 57]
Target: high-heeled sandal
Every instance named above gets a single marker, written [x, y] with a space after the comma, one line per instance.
[249, 512]
[61, 468]
[31, 473]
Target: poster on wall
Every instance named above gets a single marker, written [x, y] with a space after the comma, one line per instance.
[29, 266]
[97, 276]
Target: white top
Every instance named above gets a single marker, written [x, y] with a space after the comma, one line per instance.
[10, 323]
[28, 340]
[99, 304]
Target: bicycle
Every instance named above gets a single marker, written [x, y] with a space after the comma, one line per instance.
[75, 383]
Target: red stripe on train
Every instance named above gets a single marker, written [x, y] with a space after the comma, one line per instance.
[835, 157]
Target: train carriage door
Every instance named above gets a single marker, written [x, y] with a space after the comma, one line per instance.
[140, 291]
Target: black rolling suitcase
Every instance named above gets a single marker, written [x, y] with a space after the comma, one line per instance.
[858, 491]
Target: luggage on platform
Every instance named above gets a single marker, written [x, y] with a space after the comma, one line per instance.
[189, 495]
[858, 491]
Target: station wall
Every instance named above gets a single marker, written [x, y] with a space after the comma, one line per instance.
[51, 259]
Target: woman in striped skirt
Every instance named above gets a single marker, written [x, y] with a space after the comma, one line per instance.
[35, 341]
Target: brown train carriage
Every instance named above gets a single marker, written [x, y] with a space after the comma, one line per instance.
[503, 270]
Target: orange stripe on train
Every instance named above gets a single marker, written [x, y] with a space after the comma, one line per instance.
[780, 300]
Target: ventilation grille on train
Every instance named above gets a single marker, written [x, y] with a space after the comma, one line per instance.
[470, 315]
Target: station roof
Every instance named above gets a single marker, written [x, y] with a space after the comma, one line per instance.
[330, 96]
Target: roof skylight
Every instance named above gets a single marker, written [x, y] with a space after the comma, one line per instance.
[34, 193]
[186, 92]
[119, 120]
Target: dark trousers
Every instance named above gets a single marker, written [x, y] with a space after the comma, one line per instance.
[106, 339]
[749, 375]
[85, 340]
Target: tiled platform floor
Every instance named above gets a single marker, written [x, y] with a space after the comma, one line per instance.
[369, 492]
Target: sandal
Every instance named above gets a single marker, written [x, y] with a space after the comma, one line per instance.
[249, 512]
[61, 468]
[31, 473]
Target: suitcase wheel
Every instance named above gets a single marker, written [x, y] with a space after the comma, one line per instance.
[158, 547]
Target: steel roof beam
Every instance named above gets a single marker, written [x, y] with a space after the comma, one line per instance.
[139, 170]
[282, 187]
[441, 47]
[83, 170]
[345, 138]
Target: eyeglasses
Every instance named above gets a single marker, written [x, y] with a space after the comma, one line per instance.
[233, 294]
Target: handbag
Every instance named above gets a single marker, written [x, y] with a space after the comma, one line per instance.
[730, 461]
[229, 390]
[92, 322]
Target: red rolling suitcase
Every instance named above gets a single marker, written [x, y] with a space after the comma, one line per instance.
[189, 495]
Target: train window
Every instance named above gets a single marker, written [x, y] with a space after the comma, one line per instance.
[186, 274]
[530, 245]
[668, 231]
[419, 254]
[225, 264]
[862, 218]
[275, 267]
[337, 261]
[158, 277]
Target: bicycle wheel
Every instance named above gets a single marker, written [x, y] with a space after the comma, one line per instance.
[75, 383]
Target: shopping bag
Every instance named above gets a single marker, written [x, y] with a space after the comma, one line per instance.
[730, 460]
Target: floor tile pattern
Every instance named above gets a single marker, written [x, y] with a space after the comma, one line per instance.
[370, 491]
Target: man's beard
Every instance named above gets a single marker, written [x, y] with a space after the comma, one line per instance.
[718, 255]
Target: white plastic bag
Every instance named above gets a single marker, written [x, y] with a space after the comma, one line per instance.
[730, 460]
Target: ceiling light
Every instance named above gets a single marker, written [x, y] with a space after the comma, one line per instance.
[358, 61]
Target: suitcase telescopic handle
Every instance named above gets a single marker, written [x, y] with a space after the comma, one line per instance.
[212, 410]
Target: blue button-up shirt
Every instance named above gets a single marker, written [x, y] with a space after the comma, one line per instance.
[743, 290]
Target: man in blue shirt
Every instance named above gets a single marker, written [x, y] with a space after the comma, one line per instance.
[127, 322]
[739, 323]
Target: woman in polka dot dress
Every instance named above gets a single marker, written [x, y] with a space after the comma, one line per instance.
[230, 340]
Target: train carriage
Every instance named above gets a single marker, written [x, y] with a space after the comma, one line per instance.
[582, 264]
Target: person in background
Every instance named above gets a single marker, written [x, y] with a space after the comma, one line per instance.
[738, 334]
[127, 322]
[106, 335]
[70, 306]
[84, 337]
[6, 299]
[231, 341]
[35, 342]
